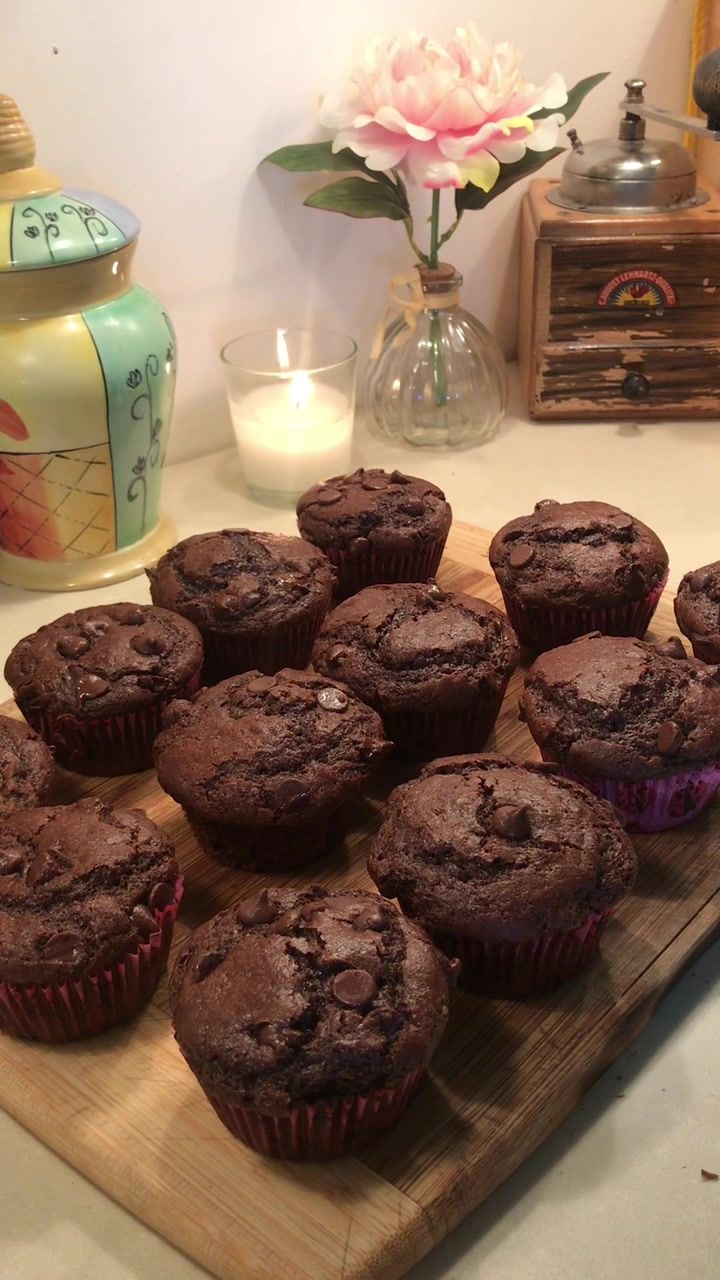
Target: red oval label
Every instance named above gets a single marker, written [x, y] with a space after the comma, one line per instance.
[645, 290]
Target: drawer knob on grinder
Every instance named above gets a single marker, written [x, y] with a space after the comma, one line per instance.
[636, 387]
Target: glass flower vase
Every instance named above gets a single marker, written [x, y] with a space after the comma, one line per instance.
[438, 377]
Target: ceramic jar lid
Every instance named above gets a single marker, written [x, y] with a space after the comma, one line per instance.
[43, 224]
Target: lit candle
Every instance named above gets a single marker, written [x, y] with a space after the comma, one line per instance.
[292, 401]
[292, 433]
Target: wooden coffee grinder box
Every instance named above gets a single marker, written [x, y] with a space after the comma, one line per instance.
[620, 280]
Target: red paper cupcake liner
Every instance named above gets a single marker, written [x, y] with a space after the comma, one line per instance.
[270, 651]
[267, 848]
[654, 804]
[105, 745]
[320, 1130]
[425, 734]
[510, 969]
[86, 1006]
[358, 569]
[540, 629]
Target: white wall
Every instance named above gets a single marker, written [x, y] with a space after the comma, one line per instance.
[170, 104]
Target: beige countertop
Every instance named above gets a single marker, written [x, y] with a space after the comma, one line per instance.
[617, 1191]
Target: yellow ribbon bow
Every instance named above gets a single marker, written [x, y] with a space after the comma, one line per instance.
[410, 303]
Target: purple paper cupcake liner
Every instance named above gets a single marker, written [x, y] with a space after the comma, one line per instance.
[508, 969]
[540, 629]
[425, 734]
[288, 645]
[73, 1010]
[320, 1130]
[105, 745]
[654, 804]
[267, 848]
[358, 569]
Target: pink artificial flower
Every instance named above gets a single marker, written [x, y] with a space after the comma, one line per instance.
[445, 115]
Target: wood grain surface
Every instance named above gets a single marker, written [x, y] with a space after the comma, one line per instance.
[125, 1110]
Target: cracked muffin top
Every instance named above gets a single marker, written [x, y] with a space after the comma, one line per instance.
[577, 553]
[300, 995]
[387, 511]
[261, 750]
[492, 849]
[416, 646]
[105, 659]
[27, 767]
[237, 580]
[697, 609]
[617, 707]
[80, 885]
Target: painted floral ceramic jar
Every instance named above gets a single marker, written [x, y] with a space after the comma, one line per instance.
[87, 374]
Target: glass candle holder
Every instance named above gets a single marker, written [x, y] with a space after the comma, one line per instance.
[292, 401]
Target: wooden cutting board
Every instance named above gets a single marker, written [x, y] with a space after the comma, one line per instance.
[125, 1110]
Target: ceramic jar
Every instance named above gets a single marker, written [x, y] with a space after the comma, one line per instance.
[87, 375]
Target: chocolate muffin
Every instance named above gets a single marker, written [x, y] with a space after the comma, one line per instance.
[376, 526]
[257, 598]
[574, 567]
[435, 664]
[508, 867]
[337, 1006]
[697, 609]
[27, 768]
[637, 723]
[94, 683]
[88, 898]
[262, 763]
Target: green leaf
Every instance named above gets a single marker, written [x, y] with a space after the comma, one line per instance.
[575, 97]
[314, 157]
[358, 198]
[319, 157]
[471, 197]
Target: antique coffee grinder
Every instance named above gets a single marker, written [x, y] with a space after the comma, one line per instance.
[620, 273]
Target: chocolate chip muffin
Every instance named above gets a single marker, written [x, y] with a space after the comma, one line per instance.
[261, 764]
[637, 723]
[510, 868]
[435, 664]
[88, 898]
[337, 1004]
[376, 526]
[257, 598]
[697, 609]
[574, 567]
[27, 768]
[94, 683]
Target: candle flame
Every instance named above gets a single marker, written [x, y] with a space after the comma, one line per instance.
[301, 390]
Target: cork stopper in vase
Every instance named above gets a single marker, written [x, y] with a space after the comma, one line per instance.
[19, 175]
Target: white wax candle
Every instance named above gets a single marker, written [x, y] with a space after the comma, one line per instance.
[292, 434]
